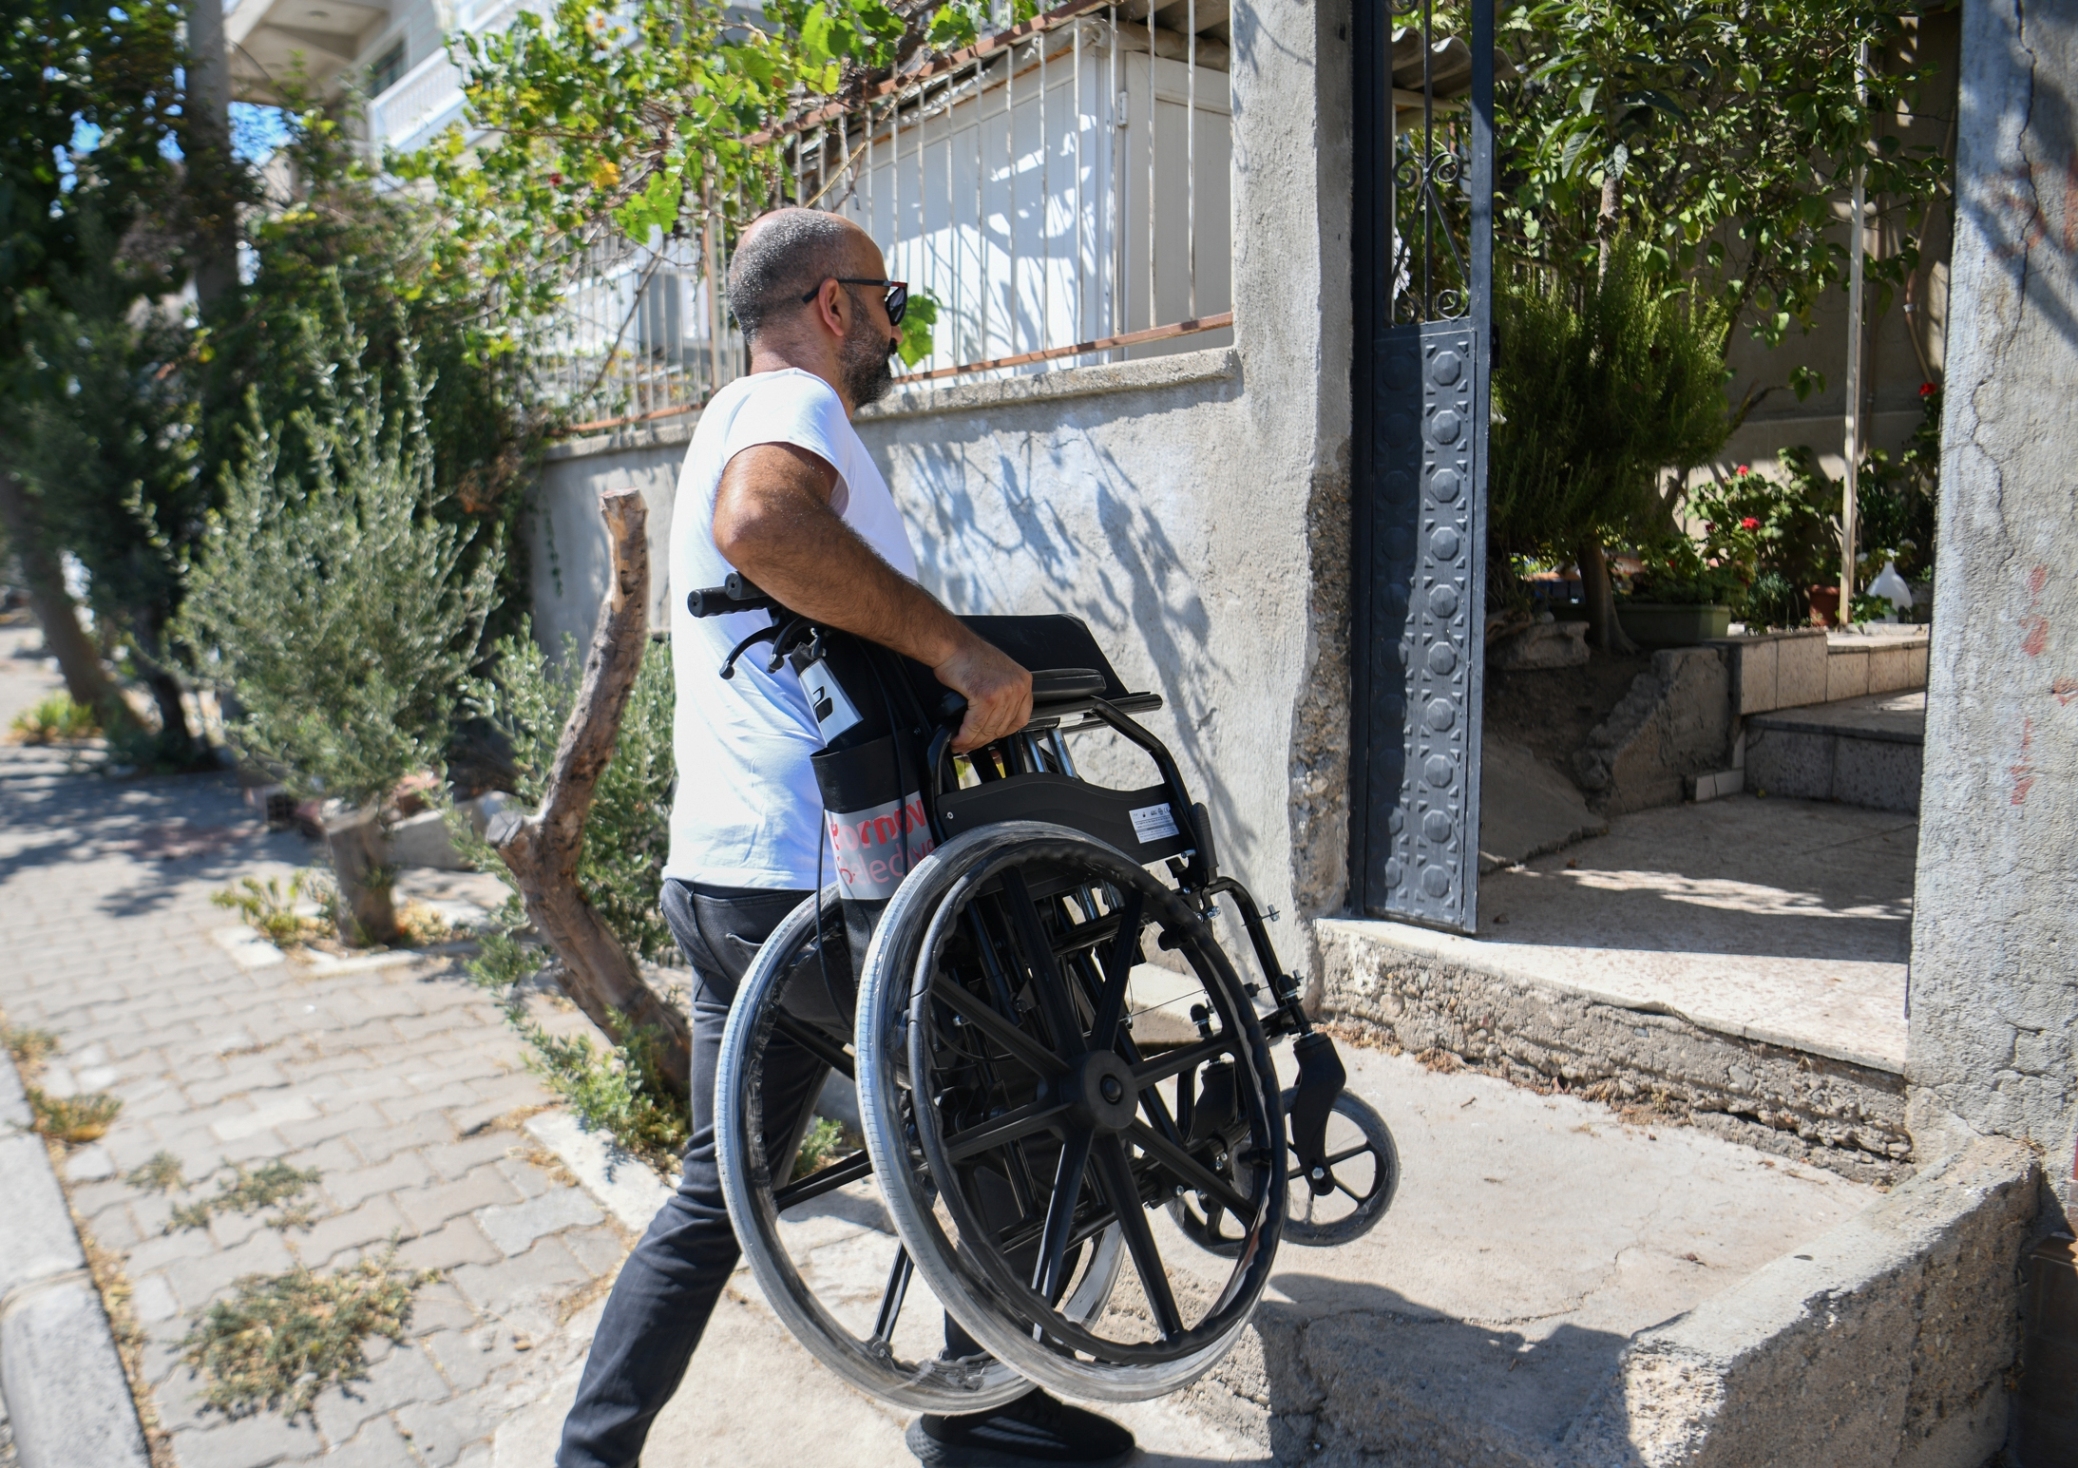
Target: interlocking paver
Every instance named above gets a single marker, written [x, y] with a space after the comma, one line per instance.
[383, 1080]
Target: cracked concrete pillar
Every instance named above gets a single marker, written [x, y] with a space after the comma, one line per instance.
[1994, 987]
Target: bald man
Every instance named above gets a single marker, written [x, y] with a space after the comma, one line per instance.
[778, 486]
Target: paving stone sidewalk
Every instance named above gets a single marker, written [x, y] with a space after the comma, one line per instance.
[391, 1082]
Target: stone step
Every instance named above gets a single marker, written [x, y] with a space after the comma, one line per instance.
[1861, 751]
[1740, 964]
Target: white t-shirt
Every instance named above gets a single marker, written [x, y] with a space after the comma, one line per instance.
[747, 812]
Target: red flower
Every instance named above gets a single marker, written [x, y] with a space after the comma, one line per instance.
[1744, 469]
[1749, 523]
[1928, 389]
[556, 179]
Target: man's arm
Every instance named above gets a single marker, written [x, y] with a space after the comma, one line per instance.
[773, 523]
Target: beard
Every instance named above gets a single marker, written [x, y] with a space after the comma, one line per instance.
[864, 362]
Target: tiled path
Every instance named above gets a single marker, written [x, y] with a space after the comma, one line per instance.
[390, 1082]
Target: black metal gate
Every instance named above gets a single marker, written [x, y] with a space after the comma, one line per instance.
[1423, 244]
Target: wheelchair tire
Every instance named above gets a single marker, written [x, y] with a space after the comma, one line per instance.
[867, 1361]
[995, 968]
[1310, 1220]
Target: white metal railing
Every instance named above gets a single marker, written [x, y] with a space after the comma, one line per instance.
[418, 104]
[642, 332]
[1060, 188]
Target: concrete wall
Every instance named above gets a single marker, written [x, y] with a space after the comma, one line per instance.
[1994, 987]
[566, 540]
[1193, 509]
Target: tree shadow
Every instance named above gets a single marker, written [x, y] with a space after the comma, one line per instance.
[175, 830]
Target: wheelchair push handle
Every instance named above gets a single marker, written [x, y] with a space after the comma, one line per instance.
[736, 594]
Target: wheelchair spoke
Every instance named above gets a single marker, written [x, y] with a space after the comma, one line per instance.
[1117, 1171]
[1118, 967]
[1047, 979]
[1357, 1151]
[828, 1180]
[815, 1042]
[1032, 1117]
[1027, 1051]
[1060, 1214]
[891, 1301]
[1189, 1171]
[1171, 1062]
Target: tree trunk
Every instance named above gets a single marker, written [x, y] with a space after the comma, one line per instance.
[541, 850]
[1609, 219]
[212, 199]
[1604, 631]
[78, 659]
[367, 908]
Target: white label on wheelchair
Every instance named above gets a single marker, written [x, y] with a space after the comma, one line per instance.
[875, 848]
[1153, 822]
[833, 711]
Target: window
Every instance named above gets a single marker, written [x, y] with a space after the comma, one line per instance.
[387, 70]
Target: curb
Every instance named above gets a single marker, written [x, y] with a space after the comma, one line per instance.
[61, 1381]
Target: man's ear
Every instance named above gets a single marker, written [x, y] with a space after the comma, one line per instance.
[830, 300]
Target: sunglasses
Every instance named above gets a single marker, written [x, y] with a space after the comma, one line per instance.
[896, 300]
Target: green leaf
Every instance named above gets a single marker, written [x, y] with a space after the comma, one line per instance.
[656, 207]
[917, 324]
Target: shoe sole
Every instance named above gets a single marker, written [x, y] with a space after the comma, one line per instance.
[934, 1454]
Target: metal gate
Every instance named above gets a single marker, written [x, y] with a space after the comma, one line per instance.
[1423, 247]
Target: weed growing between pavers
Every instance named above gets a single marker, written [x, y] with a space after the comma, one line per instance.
[70, 1120]
[269, 907]
[73, 1120]
[159, 1173]
[282, 1339]
[30, 1048]
[248, 1192]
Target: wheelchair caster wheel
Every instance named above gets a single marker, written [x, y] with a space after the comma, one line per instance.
[802, 1235]
[1016, 1115]
[1363, 1168]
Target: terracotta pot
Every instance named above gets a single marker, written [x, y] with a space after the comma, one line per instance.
[1825, 605]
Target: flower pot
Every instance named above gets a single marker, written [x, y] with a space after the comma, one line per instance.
[1825, 605]
[1673, 624]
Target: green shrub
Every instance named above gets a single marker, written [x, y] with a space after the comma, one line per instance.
[1598, 386]
[620, 1091]
[269, 907]
[329, 597]
[54, 719]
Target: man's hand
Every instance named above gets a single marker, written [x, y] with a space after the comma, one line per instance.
[997, 690]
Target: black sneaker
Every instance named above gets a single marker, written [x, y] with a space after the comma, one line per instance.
[1032, 1430]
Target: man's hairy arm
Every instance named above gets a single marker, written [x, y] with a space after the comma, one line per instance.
[774, 524]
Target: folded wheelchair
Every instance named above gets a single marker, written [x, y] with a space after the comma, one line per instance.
[1031, 1088]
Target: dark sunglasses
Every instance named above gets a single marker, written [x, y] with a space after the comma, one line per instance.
[896, 300]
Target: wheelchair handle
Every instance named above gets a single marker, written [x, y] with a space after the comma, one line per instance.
[736, 594]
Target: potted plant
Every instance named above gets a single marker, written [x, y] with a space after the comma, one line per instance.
[1678, 598]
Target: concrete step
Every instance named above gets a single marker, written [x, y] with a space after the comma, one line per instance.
[1740, 964]
[1861, 751]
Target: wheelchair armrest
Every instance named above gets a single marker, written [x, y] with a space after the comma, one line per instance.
[1063, 685]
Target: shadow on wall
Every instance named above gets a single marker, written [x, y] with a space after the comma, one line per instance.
[1075, 532]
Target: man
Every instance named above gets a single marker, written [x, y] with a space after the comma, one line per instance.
[778, 486]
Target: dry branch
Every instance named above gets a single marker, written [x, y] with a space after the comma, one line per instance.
[541, 850]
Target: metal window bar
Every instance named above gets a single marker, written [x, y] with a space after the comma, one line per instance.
[994, 262]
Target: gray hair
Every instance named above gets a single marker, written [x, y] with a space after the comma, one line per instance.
[790, 252]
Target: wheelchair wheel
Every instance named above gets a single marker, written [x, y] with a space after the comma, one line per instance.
[1364, 1168]
[820, 1246]
[1011, 1113]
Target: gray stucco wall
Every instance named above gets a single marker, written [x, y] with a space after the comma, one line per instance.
[1193, 509]
[1994, 986]
[567, 540]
